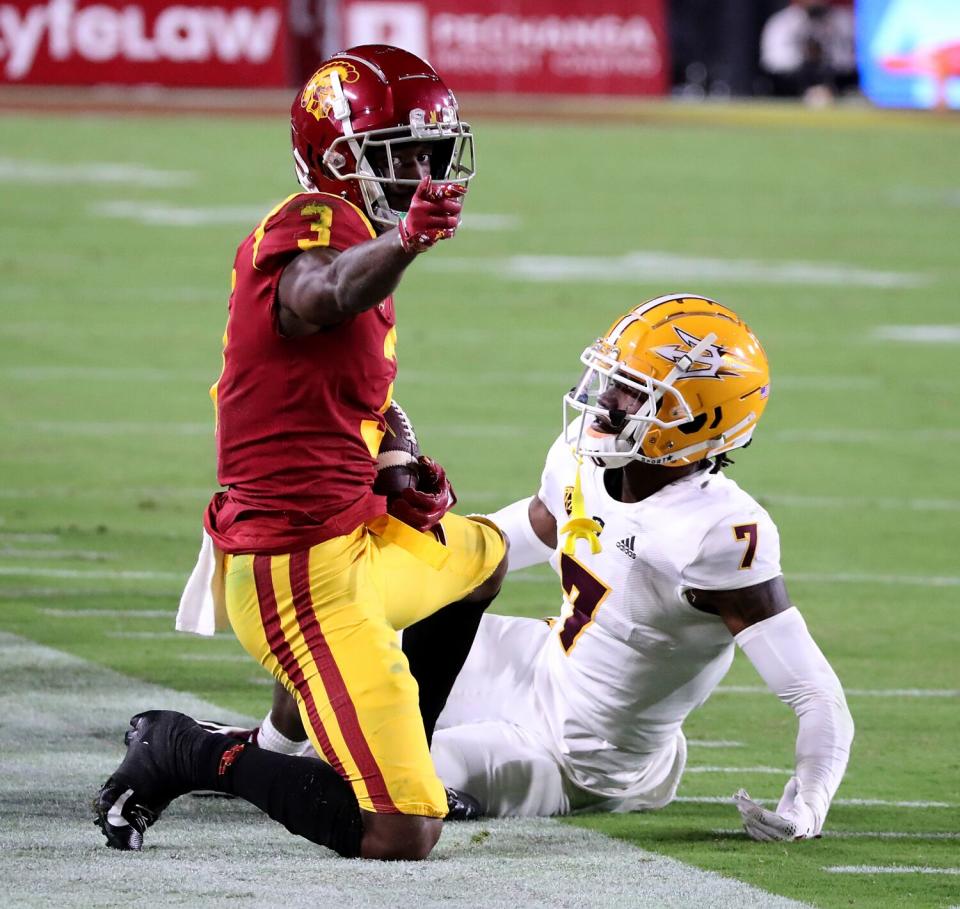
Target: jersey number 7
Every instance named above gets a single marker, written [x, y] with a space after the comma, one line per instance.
[584, 593]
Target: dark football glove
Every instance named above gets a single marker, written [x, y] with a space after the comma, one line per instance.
[434, 215]
[423, 506]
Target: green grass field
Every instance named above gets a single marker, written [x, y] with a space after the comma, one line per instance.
[835, 237]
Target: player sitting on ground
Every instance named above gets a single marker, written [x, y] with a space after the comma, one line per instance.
[664, 564]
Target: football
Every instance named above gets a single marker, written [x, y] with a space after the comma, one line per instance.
[399, 450]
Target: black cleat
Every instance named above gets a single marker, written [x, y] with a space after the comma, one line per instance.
[147, 779]
[461, 806]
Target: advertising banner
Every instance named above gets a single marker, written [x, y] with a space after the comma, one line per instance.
[908, 52]
[75, 42]
[581, 47]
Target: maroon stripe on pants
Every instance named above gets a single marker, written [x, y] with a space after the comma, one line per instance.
[337, 692]
[270, 616]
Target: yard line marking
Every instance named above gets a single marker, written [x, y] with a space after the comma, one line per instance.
[856, 692]
[917, 334]
[490, 222]
[714, 743]
[779, 771]
[118, 428]
[858, 436]
[160, 215]
[216, 658]
[104, 373]
[30, 537]
[888, 869]
[224, 835]
[111, 492]
[85, 555]
[145, 635]
[20, 170]
[846, 577]
[21, 571]
[108, 613]
[652, 265]
[853, 502]
[863, 834]
[861, 803]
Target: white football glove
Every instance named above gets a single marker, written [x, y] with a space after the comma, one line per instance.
[794, 819]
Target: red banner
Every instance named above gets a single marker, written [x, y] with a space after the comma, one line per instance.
[600, 47]
[75, 42]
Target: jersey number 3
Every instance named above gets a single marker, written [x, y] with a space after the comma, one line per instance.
[584, 593]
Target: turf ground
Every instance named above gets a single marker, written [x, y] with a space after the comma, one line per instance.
[834, 235]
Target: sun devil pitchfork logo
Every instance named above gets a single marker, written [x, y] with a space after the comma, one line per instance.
[317, 97]
[712, 362]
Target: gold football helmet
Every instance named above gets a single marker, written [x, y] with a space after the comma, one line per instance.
[681, 379]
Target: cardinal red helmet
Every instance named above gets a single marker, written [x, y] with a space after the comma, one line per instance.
[357, 108]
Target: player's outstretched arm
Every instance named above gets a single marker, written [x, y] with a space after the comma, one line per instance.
[322, 287]
[774, 636]
[531, 530]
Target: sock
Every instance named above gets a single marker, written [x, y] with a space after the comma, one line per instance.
[306, 795]
[436, 648]
[270, 738]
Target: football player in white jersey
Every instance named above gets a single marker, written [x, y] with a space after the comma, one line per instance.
[664, 565]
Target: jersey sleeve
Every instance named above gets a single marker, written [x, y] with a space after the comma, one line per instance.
[308, 221]
[739, 551]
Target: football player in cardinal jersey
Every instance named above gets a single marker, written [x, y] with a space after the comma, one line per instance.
[314, 569]
[664, 564]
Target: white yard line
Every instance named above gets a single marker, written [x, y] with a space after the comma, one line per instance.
[714, 743]
[651, 265]
[83, 555]
[864, 803]
[30, 537]
[885, 580]
[214, 657]
[22, 170]
[856, 692]
[917, 334]
[157, 214]
[108, 613]
[778, 771]
[856, 503]
[832, 834]
[878, 436]
[206, 852]
[889, 869]
[22, 571]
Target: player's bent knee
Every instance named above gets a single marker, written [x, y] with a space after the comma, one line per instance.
[491, 586]
[399, 837]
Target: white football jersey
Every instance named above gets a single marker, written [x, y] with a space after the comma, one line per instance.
[629, 657]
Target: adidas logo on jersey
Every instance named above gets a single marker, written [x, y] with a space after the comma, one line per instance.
[626, 546]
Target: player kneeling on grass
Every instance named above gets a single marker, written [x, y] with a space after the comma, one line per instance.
[316, 569]
[664, 564]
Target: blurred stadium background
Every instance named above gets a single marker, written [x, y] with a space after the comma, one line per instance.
[626, 149]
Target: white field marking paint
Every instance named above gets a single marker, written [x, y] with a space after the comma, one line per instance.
[84, 555]
[917, 334]
[826, 383]
[30, 537]
[529, 863]
[109, 493]
[650, 265]
[104, 373]
[17, 170]
[855, 692]
[860, 803]
[118, 428]
[159, 215]
[145, 635]
[851, 502]
[832, 834]
[80, 574]
[888, 869]
[908, 580]
[778, 771]
[489, 222]
[214, 657]
[108, 613]
[861, 436]
[713, 743]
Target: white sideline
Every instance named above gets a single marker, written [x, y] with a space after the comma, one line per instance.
[856, 692]
[714, 743]
[864, 803]
[917, 334]
[889, 869]
[778, 771]
[830, 833]
[23, 571]
[101, 613]
[213, 852]
[21, 170]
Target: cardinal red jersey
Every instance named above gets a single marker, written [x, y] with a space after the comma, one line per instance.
[299, 420]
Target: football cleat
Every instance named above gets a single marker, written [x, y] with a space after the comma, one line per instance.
[461, 806]
[146, 781]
